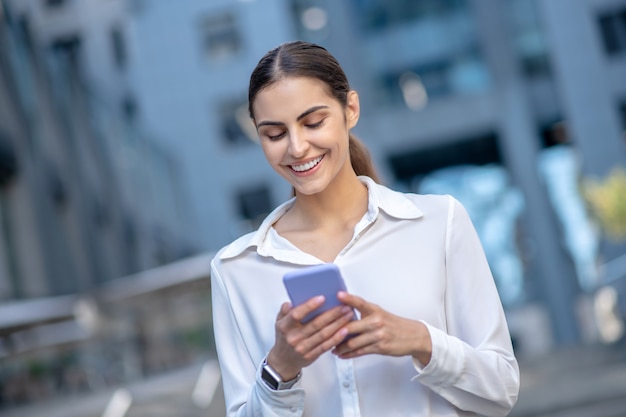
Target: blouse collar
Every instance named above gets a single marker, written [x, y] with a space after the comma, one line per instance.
[393, 203]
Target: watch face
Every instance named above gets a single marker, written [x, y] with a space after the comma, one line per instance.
[269, 378]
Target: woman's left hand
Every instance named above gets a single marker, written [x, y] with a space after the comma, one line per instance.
[380, 332]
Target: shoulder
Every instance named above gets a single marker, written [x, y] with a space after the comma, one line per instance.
[430, 204]
[236, 247]
[407, 205]
[440, 205]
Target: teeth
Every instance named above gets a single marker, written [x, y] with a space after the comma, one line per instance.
[307, 166]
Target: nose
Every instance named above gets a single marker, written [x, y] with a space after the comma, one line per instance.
[298, 144]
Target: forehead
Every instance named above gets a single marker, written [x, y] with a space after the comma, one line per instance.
[289, 97]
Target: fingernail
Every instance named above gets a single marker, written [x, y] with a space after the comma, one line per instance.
[346, 309]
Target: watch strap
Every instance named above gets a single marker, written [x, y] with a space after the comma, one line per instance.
[273, 380]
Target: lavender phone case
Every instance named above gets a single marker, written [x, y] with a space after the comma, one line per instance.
[324, 279]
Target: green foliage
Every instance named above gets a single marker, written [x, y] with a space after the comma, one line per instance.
[607, 199]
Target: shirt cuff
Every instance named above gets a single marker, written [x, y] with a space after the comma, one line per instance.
[447, 361]
[286, 402]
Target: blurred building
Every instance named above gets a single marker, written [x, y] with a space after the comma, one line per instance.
[87, 196]
[88, 199]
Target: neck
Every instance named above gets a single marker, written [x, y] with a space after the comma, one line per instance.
[342, 201]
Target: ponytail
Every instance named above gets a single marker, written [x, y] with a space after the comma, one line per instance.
[361, 160]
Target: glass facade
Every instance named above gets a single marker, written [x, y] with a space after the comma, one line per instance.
[559, 167]
[494, 204]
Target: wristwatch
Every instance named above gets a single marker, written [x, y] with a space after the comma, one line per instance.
[273, 380]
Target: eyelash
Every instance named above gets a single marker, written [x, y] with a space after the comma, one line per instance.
[316, 125]
[275, 137]
[310, 126]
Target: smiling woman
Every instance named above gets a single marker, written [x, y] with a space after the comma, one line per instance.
[304, 132]
[431, 338]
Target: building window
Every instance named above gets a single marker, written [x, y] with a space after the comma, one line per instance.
[67, 50]
[220, 36]
[254, 203]
[375, 15]
[415, 86]
[409, 167]
[236, 126]
[130, 244]
[56, 188]
[8, 161]
[8, 248]
[463, 73]
[118, 48]
[613, 31]
[52, 4]
[9, 255]
[529, 38]
[129, 108]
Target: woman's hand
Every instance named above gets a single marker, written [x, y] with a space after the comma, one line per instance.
[298, 345]
[383, 333]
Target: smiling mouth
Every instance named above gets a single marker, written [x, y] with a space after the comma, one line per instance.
[309, 165]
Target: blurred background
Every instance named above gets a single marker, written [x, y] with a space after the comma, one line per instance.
[127, 160]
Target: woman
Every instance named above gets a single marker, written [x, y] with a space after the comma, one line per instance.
[431, 340]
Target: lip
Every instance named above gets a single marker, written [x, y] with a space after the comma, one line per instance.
[302, 164]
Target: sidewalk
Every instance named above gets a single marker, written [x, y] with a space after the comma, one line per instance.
[168, 394]
[581, 381]
[572, 379]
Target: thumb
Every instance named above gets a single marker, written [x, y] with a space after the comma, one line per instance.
[357, 302]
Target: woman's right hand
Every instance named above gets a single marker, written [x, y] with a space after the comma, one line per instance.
[298, 345]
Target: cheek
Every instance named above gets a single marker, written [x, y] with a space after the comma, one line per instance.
[272, 152]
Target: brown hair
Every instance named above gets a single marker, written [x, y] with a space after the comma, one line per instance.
[305, 59]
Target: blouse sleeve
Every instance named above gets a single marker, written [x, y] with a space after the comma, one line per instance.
[244, 391]
[472, 365]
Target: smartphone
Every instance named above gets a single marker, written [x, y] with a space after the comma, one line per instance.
[324, 279]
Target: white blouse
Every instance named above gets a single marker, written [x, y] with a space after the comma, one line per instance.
[416, 256]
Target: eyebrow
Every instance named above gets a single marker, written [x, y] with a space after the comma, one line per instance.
[300, 117]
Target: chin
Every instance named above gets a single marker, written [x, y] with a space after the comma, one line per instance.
[310, 189]
[306, 191]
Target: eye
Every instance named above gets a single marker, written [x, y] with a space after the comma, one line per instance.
[316, 124]
[275, 137]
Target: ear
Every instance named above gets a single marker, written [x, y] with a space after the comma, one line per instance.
[353, 109]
